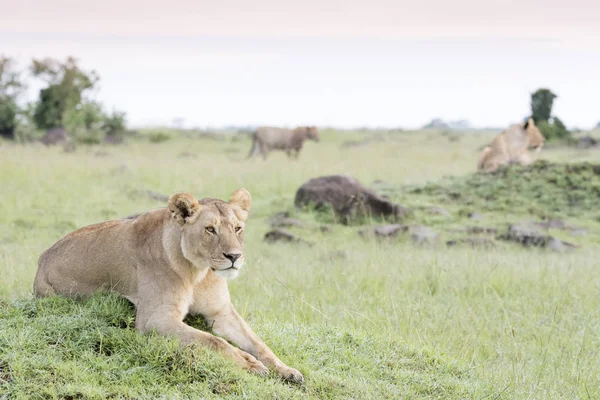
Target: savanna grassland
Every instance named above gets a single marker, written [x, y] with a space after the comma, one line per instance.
[359, 317]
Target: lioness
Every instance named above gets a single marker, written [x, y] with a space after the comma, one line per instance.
[511, 147]
[168, 263]
[291, 141]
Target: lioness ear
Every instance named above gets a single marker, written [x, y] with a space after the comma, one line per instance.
[240, 200]
[183, 207]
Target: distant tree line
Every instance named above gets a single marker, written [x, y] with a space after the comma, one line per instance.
[63, 102]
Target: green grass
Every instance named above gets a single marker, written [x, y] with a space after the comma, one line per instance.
[359, 318]
[57, 348]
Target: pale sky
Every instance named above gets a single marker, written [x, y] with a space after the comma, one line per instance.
[342, 63]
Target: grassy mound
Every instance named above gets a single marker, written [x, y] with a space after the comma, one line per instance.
[60, 348]
[543, 189]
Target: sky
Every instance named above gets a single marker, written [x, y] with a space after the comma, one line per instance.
[335, 63]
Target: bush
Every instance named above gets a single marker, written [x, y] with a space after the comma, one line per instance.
[114, 126]
[554, 129]
[158, 137]
[87, 136]
[26, 132]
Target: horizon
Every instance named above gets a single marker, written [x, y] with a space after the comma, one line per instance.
[382, 64]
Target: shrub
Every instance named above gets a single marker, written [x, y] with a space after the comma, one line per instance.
[554, 129]
[158, 137]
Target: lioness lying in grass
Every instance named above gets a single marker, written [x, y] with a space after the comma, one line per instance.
[168, 262]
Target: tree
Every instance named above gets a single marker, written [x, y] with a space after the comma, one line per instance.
[64, 93]
[11, 87]
[541, 111]
[541, 104]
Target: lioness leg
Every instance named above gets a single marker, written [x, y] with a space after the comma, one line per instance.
[164, 320]
[524, 159]
[212, 301]
[264, 151]
[230, 325]
[255, 147]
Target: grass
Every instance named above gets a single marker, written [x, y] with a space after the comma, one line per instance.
[359, 318]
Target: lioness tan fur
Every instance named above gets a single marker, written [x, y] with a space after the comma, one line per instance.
[168, 263]
[291, 141]
[511, 147]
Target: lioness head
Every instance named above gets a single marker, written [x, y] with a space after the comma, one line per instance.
[312, 133]
[536, 139]
[212, 230]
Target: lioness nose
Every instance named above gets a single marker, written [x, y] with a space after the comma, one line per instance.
[232, 256]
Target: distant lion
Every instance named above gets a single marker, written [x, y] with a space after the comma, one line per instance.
[168, 263]
[511, 147]
[291, 141]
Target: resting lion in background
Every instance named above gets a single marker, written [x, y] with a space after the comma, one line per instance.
[511, 147]
[291, 141]
[168, 263]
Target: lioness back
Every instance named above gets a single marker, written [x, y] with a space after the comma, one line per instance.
[275, 138]
[94, 258]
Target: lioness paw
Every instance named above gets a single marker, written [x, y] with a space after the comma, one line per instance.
[250, 363]
[290, 375]
[256, 367]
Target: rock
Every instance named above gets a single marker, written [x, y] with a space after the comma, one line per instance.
[475, 215]
[382, 231]
[114, 139]
[587, 142]
[287, 222]
[478, 230]
[54, 136]
[476, 242]
[527, 235]
[348, 198]
[279, 235]
[423, 235]
[279, 215]
[560, 246]
[283, 219]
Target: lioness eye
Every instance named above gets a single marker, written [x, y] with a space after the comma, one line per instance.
[210, 229]
[238, 229]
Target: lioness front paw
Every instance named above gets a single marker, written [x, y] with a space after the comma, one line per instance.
[290, 374]
[253, 365]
